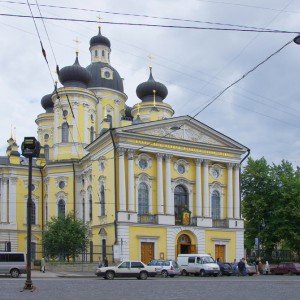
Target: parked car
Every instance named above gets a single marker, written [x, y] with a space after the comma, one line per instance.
[165, 268]
[127, 269]
[286, 268]
[13, 263]
[250, 269]
[225, 268]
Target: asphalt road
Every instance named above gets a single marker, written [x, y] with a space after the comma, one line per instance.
[254, 288]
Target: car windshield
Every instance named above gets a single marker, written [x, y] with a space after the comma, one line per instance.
[297, 265]
[207, 260]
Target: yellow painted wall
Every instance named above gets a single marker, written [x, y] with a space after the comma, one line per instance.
[210, 235]
[134, 241]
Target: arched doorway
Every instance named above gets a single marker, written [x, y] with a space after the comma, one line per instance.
[184, 245]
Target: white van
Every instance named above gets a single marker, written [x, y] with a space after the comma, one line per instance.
[13, 263]
[198, 264]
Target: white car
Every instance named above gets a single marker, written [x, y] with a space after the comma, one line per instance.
[127, 269]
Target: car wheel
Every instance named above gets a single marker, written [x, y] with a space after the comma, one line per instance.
[215, 275]
[174, 275]
[184, 273]
[202, 273]
[143, 275]
[250, 274]
[110, 275]
[15, 273]
[164, 273]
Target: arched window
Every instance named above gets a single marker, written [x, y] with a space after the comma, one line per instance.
[61, 208]
[143, 199]
[180, 202]
[91, 207]
[102, 201]
[103, 53]
[46, 152]
[96, 53]
[215, 205]
[92, 133]
[33, 213]
[64, 133]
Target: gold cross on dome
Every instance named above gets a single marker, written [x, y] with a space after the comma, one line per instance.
[150, 57]
[77, 42]
[99, 18]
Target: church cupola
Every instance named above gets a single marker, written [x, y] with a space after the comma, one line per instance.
[75, 75]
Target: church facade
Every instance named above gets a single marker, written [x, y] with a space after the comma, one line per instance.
[150, 185]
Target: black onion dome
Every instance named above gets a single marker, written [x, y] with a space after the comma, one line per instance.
[47, 103]
[145, 90]
[74, 76]
[99, 40]
[116, 83]
[128, 111]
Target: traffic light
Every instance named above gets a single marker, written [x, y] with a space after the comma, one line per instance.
[31, 147]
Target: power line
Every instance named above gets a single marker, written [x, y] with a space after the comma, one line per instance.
[138, 15]
[154, 25]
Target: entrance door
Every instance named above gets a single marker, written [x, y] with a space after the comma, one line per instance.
[147, 252]
[220, 252]
[184, 245]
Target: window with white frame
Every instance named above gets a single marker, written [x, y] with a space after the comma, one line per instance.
[102, 201]
[215, 205]
[143, 199]
[61, 208]
[64, 133]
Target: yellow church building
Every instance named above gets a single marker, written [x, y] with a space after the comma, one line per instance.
[150, 185]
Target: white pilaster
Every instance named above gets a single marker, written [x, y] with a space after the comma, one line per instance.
[160, 192]
[229, 191]
[198, 188]
[169, 204]
[75, 112]
[122, 186]
[12, 200]
[4, 216]
[237, 191]
[130, 182]
[205, 189]
[85, 124]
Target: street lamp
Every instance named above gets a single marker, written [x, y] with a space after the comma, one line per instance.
[30, 148]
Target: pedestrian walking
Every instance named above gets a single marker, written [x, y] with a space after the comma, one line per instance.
[43, 265]
[242, 267]
[267, 268]
[260, 268]
[100, 262]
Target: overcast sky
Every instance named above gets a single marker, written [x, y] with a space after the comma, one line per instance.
[262, 111]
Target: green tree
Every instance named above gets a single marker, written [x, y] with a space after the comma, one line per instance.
[271, 204]
[65, 237]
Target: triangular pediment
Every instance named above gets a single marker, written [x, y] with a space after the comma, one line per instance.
[183, 129]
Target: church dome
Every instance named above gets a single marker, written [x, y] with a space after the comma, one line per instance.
[145, 90]
[114, 80]
[99, 40]
[47, 103]
[74, 76]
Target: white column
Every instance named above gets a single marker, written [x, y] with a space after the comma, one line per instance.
[237, 191]
[99, 114]
[229, 191]
[85, 125]
[130, 181]
[159, 183]
[205, 190]
[169, 204]
[198, 188]
[12, 200]
[4, 216]
[122, 186]
[75, 129]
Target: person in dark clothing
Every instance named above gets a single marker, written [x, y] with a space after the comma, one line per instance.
[242, 267]
[105, 262]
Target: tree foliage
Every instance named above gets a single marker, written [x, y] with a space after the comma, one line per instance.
[271, 204]
[65, 237]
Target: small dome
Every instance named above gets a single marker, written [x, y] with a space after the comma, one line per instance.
[99, 40]
[47, 103]
[128, 111]
[145, 90]
[74, 76]
[137, 121]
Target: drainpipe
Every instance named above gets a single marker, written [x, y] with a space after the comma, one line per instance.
[115, 185]
[74, 190]
[42, 176]
[248, 153]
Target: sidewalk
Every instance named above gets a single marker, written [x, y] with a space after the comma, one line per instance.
[38, 274]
